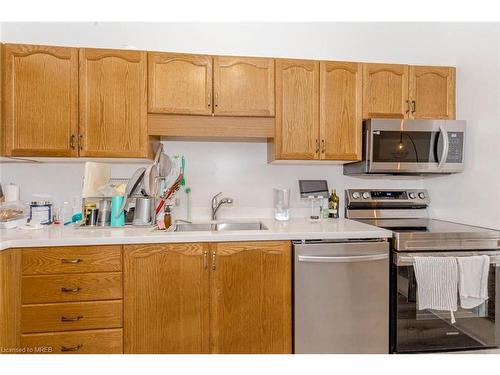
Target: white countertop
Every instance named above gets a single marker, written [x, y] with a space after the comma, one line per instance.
[294, 229]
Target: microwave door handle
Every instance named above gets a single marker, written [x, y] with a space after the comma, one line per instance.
[446, 144]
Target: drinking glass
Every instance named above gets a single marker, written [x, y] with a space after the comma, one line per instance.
[281, 204]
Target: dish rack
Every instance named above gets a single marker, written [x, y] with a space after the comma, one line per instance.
[118, 181]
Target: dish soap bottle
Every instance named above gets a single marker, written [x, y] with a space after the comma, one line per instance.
[333, 205]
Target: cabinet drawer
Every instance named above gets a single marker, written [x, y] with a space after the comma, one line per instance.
[71, 259]
[72, 287]
[105, 341]
[71, 316]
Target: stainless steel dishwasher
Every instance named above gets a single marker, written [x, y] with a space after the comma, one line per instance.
[341, 296]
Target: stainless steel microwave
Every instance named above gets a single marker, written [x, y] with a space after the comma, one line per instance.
[397, 146]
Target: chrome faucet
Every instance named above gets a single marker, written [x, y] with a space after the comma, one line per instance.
[217, 203]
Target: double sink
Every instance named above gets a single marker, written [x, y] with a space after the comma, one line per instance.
[217, 227]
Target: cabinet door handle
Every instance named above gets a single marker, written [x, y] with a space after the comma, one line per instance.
[317, 145]
[72, 139]
[70, 290]
[71, 348]
[408, 106]
[213, 261]
[80, 142]
[216, 100]
[414, 103]
[323, 146]
[205, 259]
[209, 104]
[71, 261]
[71, 319]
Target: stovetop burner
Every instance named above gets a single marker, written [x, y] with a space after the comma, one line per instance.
[404, 212]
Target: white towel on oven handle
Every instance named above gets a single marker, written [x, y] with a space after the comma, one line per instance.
[473, 280]
[437, 279]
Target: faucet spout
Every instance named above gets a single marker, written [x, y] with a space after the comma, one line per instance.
[217, 203]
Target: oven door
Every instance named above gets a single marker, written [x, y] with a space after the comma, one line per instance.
[416, 331]
[414, 146]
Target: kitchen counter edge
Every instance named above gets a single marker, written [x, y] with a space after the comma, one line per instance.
[295, 229]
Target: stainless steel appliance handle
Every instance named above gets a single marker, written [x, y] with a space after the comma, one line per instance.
[446, 144]
[342, 259]
[405, 260]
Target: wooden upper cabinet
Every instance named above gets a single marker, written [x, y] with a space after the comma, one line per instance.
[340, 110]
[243, 86]
[251, 297]
[113, 103]
[432, 92]
[166, 298]
[297, 109]
[40, 100]
[385, 91]
[179, 84]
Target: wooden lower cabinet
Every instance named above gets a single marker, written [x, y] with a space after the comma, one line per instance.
[71, 316]
[251, 297]
[103, 341]
[65, 299]
[94, 286]
[232, 297]
[228, 297]
[166, 298]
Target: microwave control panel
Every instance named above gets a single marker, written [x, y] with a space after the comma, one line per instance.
[456, 146]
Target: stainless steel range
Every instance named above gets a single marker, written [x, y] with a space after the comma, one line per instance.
[405, 212]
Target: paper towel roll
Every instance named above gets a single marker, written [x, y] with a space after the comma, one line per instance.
[11, 193]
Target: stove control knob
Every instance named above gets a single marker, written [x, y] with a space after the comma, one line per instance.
[421, 195]
[412, 195]
[366, 195]
[356, 195]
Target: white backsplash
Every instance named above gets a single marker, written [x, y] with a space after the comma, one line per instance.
[238, 169]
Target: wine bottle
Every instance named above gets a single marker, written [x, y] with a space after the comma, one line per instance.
[333, 205]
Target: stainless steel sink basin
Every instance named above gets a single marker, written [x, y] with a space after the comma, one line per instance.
[240, 226]
[206, 227]
[192, 227]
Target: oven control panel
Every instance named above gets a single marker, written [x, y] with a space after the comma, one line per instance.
[387, 197]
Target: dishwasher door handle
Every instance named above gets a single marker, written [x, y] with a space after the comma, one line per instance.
[342, 259]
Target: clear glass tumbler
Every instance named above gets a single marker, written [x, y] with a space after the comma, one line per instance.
[281, 204]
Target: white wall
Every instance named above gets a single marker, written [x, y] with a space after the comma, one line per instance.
[239, 168]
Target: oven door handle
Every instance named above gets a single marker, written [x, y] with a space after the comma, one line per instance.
[408, 260]
[446, 146]
[342, 259]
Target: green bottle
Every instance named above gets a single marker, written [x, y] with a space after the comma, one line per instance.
[333, 205]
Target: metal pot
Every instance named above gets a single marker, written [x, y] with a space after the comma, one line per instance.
[143, 214]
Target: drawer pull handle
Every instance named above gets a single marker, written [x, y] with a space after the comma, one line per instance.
[75, 319]
[72, 261]
[71, 348]
[70, 290]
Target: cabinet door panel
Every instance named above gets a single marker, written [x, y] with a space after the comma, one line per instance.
[180, 84]
[297, 109]
[243, 86]
[340, 122]
[251, 297]
[40, 88]
[385, 91]
[166, 298]
[113, 99]
[432, 92]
